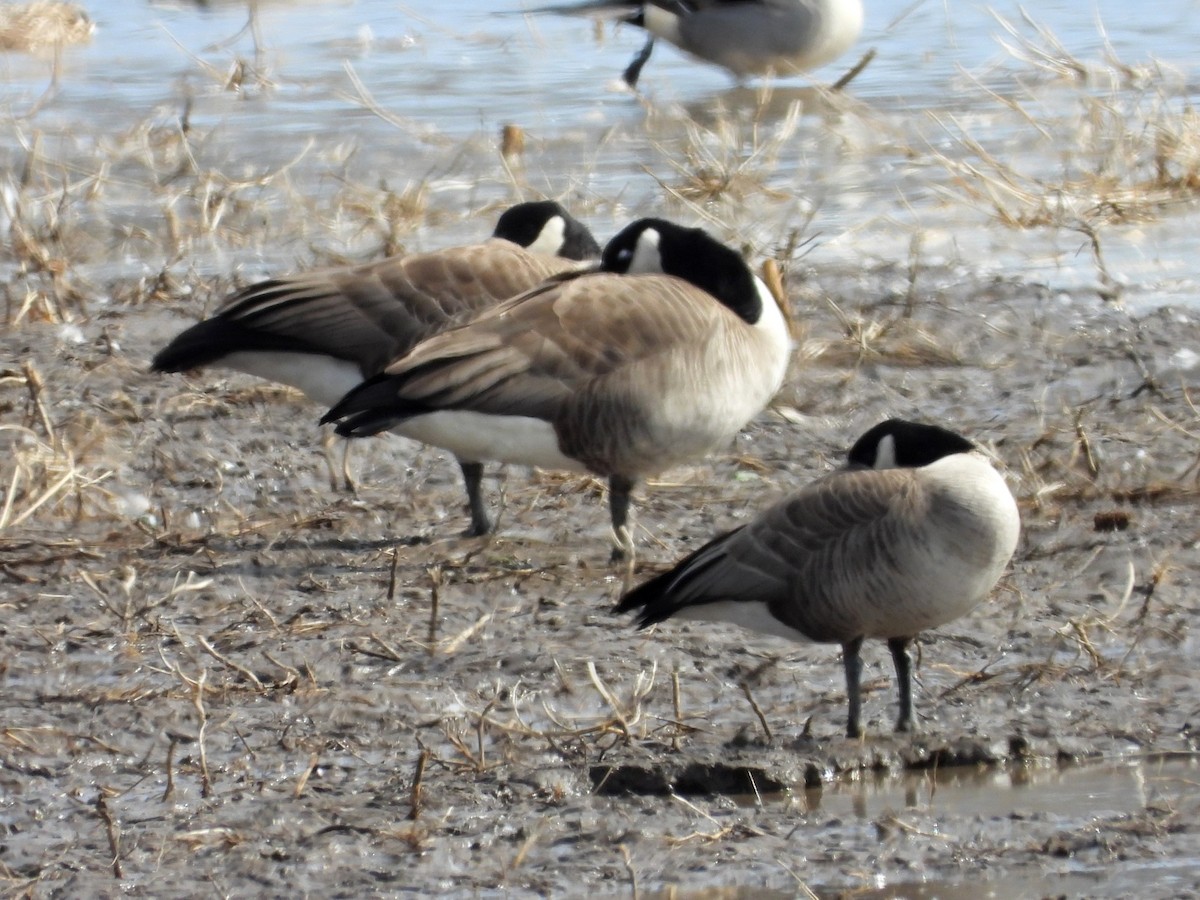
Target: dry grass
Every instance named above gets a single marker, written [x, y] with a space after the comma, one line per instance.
[870, 339]
[67, 217]
[44, 484]
[1125, 140]
[43, 24]
[730, 160]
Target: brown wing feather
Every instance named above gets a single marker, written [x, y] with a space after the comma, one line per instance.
[372, 313]
[840, 543]
[532, 354]
[796, 556]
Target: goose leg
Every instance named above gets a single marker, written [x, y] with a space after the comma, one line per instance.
[852, 663]
[347, 477]
[619, 488]
[900, 657]
[634, 70]
[328, 440]
[473, 477]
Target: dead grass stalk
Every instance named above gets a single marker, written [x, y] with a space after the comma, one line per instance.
[1131, 156]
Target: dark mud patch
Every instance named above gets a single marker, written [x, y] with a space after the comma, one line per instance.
[693, 779]
[811, 764]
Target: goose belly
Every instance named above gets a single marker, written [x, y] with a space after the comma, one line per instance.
[938, 584]
[479, 437]
[752, 615]
[945, 566]
[323, 379]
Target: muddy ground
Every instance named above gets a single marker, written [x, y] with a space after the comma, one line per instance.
[221, 676]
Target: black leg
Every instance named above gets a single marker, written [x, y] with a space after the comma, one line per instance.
[899, 648]
[619, 488]
[472, 478]
[852, 663]
[634, 70]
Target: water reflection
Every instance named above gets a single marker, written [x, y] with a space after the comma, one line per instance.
[1022, 790]
[1065, 799]
[764, 103]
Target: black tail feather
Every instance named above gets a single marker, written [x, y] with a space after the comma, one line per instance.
[650, 599]
[372, 407]
[207, 343]
[366, 424]
[660, 598]
[201, 345]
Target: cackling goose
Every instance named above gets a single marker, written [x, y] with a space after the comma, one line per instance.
[912, 534]
[323, 332]
[653, 361]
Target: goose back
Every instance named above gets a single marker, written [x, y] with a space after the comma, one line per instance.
[634, 372]
[857, 554]
[365, 315]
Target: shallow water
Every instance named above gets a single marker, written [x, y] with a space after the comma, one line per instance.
[1006, 803]
[1069, 792]
[868, 181]
[462, 65]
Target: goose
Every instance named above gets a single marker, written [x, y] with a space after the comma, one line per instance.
[747, 37]
[323, 332]
[913, 533]
[662, 355]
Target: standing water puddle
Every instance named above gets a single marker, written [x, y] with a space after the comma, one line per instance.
[1070, 817]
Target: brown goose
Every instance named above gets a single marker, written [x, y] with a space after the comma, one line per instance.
[323, 332]
[653, 361]
[914, 533]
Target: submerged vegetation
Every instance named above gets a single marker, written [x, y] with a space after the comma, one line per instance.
[1103, 142]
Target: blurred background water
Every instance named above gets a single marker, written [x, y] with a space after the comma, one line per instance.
[418, 95]
[463, 66]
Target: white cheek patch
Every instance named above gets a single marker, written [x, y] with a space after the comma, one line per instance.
[885, 453]
[551, 238]
[647, 260]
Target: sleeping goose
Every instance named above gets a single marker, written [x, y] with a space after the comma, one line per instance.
[912, 534]
[653, 361]
[747, 37]
[323, 332]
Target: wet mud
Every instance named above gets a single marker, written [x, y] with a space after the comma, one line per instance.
[221, 673]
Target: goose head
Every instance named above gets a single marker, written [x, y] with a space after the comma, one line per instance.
[902, 444]
[543, 226]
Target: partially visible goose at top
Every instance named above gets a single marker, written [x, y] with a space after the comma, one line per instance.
[654, 361]
[747, 37]
[323, 332]
[914, 533]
